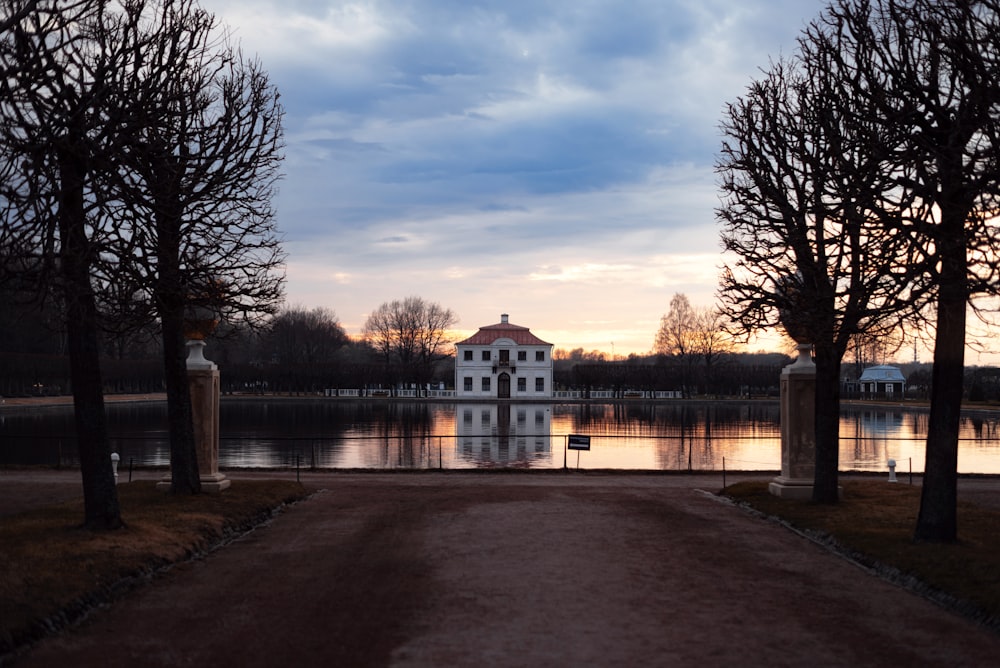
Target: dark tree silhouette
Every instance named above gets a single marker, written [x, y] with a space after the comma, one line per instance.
[201, 148]
[912, 88]
[56, 137]
[930, 70]
[411, 333]
[693, 337]
[298, 337]
[141, 156]
[812, 222]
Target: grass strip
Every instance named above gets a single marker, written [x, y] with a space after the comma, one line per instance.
[874, 524]
[54, 572]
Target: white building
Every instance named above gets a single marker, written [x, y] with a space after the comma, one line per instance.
[503, 361]
[883, 380]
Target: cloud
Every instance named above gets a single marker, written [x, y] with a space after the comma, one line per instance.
[545, 158]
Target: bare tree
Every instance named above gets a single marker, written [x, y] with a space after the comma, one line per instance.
[17, 13]
[868, 350]
[56, 135]
[202, 144]
[141, 159]
[300, 337]
[813, 221]
[673, 338]
[712, 342]
[412, 333]
[930, 72]
[693, 337]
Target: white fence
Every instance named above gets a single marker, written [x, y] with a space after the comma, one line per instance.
[451, 394]
[568, 394]
[406, 394]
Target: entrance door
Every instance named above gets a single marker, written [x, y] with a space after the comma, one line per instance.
[503, 386]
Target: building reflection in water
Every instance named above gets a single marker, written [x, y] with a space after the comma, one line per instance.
[872, 435]
[504, 434]
[384, 434]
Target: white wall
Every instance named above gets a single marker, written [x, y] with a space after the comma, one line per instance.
[477, 368]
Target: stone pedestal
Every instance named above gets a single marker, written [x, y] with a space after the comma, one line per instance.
[798, 429]
[203, 379]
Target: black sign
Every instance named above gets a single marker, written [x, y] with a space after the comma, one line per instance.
[578, 442]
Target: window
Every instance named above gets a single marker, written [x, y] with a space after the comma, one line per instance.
[522, 384]
[468, 355]
[504, 356]
[539, 355]
[539, 385]
[486, 356]
[522, 355]
[486, 384]
[467, 384]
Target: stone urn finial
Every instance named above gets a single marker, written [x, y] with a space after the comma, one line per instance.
[794, 310]
[199, 328]
[199, 323]
[200, 318]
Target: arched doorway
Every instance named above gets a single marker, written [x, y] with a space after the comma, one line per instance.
[503, 386]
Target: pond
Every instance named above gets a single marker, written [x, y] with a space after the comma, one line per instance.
[387, 434]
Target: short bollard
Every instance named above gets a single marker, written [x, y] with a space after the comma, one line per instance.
[114, 465]
[892, 470]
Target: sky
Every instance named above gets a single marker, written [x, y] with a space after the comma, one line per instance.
[552, 160]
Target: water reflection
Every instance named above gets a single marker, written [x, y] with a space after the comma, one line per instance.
[870, 434]
[508, 435]
[383, 434]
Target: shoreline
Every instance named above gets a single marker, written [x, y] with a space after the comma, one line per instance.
[156, 397]
[67, 400]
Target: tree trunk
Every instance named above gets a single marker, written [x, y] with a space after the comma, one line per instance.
[172, 297]
[937, 519]
[827, 415]
[100, 495]
[184, 475]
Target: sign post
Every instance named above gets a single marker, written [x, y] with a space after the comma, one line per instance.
[577, 442]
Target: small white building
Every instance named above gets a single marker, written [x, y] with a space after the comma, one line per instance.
[503, 361]
[882, 380]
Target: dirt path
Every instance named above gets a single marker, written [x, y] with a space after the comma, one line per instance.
[513, 570]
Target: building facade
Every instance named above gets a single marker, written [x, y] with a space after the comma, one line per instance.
[503, 361]
[882, 381]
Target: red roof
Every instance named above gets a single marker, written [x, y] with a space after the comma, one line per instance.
[522, 336]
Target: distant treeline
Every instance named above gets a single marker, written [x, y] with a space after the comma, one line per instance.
[741, 375]
[41, 375]
[307, 353]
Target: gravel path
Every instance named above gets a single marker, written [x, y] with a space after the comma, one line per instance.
[518, 570]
